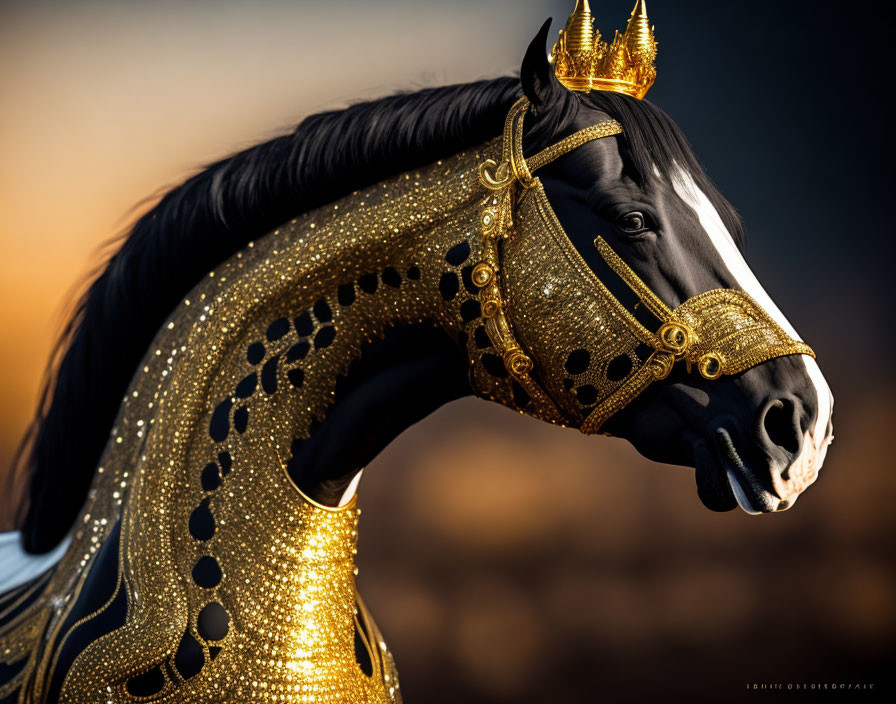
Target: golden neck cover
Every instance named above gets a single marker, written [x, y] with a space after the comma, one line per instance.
[531, 271]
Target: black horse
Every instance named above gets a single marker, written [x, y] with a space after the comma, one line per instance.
[327, 359]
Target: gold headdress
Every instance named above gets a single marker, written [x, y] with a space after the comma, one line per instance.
[584, 62]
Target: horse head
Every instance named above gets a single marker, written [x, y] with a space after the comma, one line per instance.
[624, 233]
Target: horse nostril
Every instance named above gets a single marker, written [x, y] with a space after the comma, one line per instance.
[783, 505]
[780, 421]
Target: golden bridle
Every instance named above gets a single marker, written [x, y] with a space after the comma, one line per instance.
[720, 332]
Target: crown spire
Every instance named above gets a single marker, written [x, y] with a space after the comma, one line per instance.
[583, 62]
[639, 34]
[580, 28]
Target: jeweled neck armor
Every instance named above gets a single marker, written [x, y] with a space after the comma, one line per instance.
[531, 274]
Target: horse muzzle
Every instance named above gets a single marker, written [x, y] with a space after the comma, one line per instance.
[786, 484]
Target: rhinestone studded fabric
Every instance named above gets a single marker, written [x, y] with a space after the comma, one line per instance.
[547, 280]
[220, 553]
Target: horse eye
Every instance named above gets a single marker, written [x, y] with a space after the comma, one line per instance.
[633, 222]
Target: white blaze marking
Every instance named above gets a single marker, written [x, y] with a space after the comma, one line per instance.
[722, 240]
[825, 409]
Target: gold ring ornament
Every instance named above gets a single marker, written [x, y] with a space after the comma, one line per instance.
[675, 337]
[661, 365]
[710, 366]
[517, 362]
[482, 275]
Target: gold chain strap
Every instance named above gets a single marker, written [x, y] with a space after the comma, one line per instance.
[607, 128]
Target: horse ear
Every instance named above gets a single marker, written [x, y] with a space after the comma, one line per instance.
[536, 74]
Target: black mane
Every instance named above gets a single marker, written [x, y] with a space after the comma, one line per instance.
[195, 227]
[212, 215]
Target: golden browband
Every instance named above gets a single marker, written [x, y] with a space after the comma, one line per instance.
[718, 332]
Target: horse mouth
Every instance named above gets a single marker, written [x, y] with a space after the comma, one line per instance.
[748, 492]
[739, 494]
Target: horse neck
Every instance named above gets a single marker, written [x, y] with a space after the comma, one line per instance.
[341, 328]
[306, 352]
[309, 350]
[395, 313]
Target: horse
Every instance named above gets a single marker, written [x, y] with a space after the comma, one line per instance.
[271, 324]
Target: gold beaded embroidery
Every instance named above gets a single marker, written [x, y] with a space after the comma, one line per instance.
[284, 317]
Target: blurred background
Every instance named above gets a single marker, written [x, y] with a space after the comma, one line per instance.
[586, 572]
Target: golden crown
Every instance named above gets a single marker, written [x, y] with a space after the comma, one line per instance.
[584, 62]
